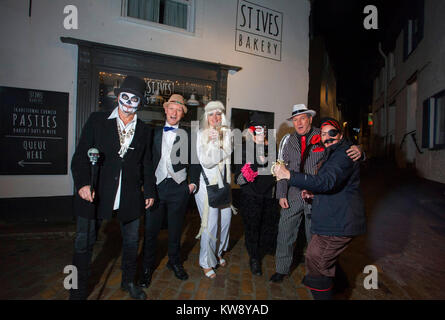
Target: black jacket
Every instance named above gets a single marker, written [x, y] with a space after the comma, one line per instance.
[263, 185]
[337, 208]
[137, 169]
[193, 169]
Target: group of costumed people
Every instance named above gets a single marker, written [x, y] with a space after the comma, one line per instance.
[142, 171]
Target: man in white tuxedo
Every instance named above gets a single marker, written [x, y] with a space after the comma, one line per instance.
[172, 187]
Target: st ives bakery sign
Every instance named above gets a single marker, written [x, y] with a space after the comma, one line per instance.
[258, 30]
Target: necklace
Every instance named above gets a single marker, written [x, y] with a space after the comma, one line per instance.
[125, 145]
[122, 134]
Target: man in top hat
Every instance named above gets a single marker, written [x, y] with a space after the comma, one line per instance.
[124, 167]
[171, 159]
[301, 153]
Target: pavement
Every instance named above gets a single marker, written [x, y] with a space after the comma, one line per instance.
[405, 241]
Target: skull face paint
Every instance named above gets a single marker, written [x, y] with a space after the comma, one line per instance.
[259, 133]
[257, 130]
[128, 102]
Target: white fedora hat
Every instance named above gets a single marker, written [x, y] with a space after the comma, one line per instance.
[214, 105]
[300, 109]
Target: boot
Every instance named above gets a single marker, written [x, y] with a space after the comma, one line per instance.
[178, 270]
[321, 287]
[341, 282]
[128, 275]
[277, 277]
[146, 278]
[82, 262]
[134, 290]
[255, 267]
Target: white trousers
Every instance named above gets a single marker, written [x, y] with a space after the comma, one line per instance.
[214, 239]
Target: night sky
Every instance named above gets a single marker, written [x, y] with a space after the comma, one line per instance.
[353, 50]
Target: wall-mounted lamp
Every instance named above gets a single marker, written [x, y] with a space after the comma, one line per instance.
[192, 101]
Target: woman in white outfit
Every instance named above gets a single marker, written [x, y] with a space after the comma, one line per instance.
[213, 149]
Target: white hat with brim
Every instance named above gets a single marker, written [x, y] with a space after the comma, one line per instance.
[214, 105]
[301, 109]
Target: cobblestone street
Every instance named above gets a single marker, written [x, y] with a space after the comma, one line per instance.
[405, 241]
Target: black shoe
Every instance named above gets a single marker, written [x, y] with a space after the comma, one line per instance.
[255, 267]
[135, 291]
[277, 277]
[146, 278]
[179, 271]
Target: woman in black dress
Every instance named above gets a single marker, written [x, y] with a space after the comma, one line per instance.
[258, 206]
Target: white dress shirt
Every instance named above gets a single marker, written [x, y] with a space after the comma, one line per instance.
[124, 147]
[163, 170]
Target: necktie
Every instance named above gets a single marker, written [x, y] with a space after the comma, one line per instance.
[303, 146]
[166, 128]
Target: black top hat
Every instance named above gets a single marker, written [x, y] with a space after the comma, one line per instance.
[257, 119]
[133, 85]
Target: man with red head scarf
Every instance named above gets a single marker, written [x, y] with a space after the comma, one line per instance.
[301, 151]
[338, 212]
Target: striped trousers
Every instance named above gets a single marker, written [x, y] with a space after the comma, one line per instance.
[288, 227]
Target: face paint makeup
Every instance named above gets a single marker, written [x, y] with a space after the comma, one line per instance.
[257, 130]
[128, 102]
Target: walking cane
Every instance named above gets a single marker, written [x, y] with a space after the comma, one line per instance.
[93, 154]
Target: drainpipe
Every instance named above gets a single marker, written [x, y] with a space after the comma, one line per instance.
[385, 94]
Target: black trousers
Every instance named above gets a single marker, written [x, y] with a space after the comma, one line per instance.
[173, 199]
[260, 217]
[83, 250]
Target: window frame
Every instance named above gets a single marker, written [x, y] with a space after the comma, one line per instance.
[429, 129]
[413, 30]
[191, 18]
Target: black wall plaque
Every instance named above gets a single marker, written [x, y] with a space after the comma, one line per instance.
[33, 131]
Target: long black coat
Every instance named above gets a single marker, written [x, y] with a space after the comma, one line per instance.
[137, 169]
[337, 208]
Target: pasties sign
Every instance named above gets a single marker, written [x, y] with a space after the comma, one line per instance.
[258, 30]
[33, 131]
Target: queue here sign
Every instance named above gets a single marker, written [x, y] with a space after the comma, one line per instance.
[258, 30]
[33, 131]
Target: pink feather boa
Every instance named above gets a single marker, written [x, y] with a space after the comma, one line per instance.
[248, 173]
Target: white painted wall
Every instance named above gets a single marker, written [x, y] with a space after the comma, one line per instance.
[32, 56]
[429, 60]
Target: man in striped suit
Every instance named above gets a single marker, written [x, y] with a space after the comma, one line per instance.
[301, 153]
